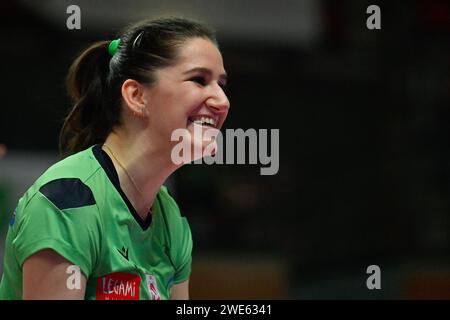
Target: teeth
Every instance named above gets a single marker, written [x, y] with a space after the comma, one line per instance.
[205, 120]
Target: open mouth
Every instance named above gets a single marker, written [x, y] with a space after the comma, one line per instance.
[203, 120]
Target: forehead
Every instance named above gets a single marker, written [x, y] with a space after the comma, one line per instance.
[199, 52]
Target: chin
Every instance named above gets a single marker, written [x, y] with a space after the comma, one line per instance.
[194, 143]
[201, 149]
[209, 148]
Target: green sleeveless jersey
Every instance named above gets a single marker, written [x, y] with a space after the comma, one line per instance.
[78, 209]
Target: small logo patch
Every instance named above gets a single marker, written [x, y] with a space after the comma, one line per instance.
[123, 252]
[118, 286]
[153, 287]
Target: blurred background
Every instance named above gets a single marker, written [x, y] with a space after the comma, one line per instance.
[364, 174]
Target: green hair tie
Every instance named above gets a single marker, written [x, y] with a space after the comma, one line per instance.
[113, 45]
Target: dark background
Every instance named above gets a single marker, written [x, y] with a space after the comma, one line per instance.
[364, 153]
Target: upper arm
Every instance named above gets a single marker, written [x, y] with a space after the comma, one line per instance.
[180, 291]
[46, 277]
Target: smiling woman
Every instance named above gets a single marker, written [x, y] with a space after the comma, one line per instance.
[103, 208]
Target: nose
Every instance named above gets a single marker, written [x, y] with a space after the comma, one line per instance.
[218, 100]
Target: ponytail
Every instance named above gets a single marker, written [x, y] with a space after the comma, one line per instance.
[88, 122]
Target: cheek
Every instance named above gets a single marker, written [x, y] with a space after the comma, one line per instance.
[188, 98]
[174, 106]
[168, 111]
[185, 101]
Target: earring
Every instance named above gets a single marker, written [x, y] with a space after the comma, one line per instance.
[143, 108]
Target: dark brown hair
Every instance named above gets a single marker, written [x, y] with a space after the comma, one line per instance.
[95, 78]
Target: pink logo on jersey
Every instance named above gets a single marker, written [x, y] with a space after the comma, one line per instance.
[153, 287]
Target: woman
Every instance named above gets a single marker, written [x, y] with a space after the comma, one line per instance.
[102, 213]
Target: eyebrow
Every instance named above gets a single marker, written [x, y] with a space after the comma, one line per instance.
[223, 76]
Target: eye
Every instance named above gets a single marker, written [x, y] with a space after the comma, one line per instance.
[200, 80]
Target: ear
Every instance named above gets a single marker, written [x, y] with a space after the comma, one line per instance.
[135, 97]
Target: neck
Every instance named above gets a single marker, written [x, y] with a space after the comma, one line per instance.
[147, 165]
